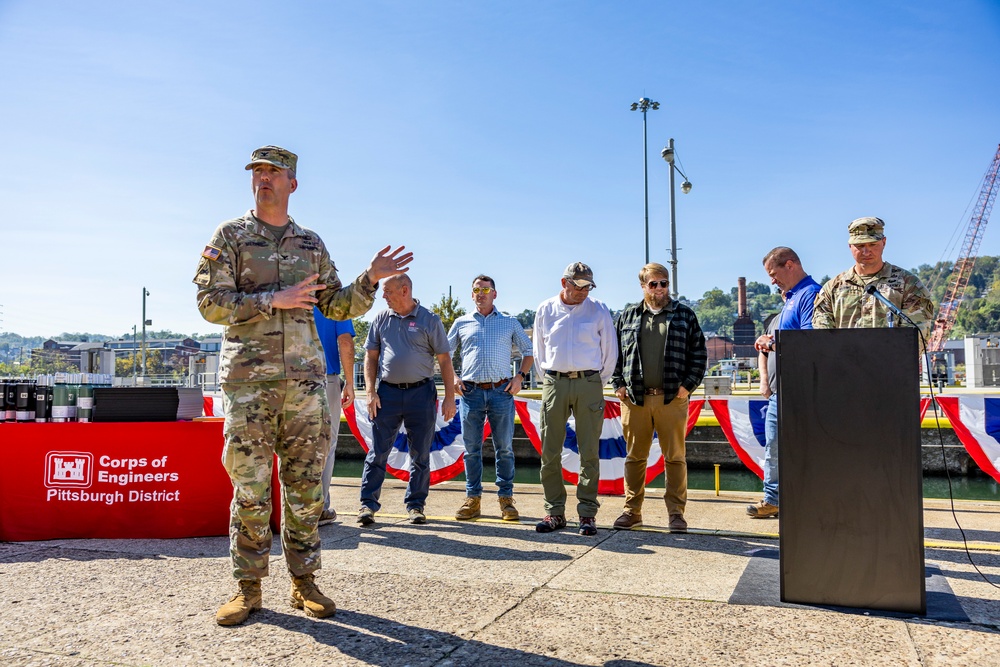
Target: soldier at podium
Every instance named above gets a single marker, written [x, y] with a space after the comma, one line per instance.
[843, 303]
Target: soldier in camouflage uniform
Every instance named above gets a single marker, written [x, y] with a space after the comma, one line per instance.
[843, 303]
[259, 277]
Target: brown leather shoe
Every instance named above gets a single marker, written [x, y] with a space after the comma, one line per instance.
[507, 510]
[677, 524]
[627, 521]
[246, 600]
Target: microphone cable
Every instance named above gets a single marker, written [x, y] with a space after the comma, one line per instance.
[944, 458]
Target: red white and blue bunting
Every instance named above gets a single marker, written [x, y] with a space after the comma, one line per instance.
[612, 444]
[742, 420]
[446, 450]
[975, 419]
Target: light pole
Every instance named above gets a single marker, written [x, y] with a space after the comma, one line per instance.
[669, 156]
[145, 293]
[643, 105]
[135, 368]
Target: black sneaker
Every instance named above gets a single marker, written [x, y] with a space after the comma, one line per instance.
[550, 523]
[588, 525]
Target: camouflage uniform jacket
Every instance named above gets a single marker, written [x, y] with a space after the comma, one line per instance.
[238, 274]
[843, 304]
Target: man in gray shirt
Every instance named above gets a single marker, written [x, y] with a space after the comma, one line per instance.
[402, 344]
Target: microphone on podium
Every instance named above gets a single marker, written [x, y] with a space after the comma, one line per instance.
[890, 306]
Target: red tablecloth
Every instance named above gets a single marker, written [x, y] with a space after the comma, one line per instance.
[113, 480]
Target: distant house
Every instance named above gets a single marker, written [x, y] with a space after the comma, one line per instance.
[84, 356]
[99, 357]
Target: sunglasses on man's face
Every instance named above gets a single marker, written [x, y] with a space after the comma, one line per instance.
[662, 283]
[482, 290]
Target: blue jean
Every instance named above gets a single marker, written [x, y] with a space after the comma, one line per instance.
[333, 389]
[496, 405]
[416, 409]
[771, 451]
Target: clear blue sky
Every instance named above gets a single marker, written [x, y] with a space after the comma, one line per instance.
[486, 136]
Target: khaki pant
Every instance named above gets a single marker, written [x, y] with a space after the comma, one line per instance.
[670, 423]
[584, 398]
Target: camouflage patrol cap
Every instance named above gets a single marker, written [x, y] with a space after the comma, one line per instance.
[579, 274]
[276, 155]
[865, 230]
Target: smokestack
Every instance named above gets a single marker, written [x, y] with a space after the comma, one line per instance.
[742, 291]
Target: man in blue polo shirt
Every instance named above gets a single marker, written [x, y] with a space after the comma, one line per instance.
[488, 339]
[800, 290]
[402, 344]
[337, 338]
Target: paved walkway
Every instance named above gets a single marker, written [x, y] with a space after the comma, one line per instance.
[490, 593]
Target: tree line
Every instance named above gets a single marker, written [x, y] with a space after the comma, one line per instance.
[716, 310]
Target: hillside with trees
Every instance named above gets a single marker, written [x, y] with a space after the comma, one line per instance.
[980, 312]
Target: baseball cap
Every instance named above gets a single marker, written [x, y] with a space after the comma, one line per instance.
[579, 274]
[865, 230]
[279, 157]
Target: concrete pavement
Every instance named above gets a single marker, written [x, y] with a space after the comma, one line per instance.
[491, 593]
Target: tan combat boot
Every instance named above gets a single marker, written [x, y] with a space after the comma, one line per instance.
[307, 597]
[240, 605]
[468, 510]
[507, 510]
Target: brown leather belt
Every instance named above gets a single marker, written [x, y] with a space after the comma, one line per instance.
[653, 392]
[572, 374]
[488, 385]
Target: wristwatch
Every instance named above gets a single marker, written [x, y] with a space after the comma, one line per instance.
[524, 376]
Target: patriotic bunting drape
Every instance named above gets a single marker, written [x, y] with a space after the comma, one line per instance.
[975, 419]
[446, 450]
[612, 444]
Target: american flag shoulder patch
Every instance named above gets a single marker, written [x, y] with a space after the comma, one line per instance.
[211, 252]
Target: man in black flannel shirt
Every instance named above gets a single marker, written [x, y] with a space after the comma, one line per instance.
[661, 360]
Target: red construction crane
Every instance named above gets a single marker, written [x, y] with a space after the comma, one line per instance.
[966, 261]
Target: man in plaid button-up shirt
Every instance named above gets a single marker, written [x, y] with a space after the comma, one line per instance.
[661, 360]
[487, 387]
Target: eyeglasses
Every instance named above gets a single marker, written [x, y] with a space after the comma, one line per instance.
[585, 288]
[662, 283]
[482, 290]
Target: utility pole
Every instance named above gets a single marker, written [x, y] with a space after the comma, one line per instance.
[145, 293]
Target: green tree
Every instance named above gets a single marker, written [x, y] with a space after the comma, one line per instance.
[526, 317]
[449, 310]
[154, 364]
[360, 334]
[50, 361]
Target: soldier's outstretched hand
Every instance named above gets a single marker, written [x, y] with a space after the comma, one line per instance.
[386, 263]
[299, 295]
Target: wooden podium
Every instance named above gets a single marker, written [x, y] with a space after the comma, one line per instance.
[850, 469]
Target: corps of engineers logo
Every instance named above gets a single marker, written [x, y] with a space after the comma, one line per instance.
[69, 470]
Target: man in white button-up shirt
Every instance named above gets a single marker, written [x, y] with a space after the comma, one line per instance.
[576, 349]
